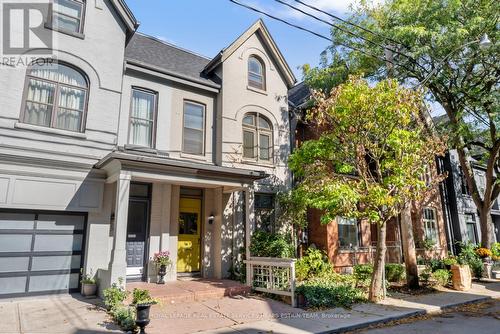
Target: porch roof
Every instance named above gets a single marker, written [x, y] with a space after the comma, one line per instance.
[143, 166]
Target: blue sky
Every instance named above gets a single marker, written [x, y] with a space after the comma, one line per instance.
[207, 26]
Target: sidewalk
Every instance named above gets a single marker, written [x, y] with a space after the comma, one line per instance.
[255, 315]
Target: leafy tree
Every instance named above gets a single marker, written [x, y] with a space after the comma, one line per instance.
[367, 161]
[436, 43]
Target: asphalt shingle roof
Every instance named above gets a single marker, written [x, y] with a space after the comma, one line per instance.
[299, 94]
[148, 50]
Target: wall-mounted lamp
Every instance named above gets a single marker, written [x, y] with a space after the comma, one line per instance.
[211, 219]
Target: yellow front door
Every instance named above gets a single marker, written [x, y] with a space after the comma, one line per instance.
[188, 249]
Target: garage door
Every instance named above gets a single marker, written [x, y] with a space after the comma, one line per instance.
[40, 253]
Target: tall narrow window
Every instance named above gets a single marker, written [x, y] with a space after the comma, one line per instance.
[67, 15]
[142, 117]
[194, 128]
[430, 225]
[348, 232]
[56, 96]
[463, 183]
[264, 212]
[470, 223]
[256, 75]
[257, 137]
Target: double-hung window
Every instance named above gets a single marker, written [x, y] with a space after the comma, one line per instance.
[256, 73]
[264, 211]
[67, 15]
[257, 138]
[348, 232]
[430, 225]
[194, 128]
[470, 223]
[55, 96]
[142, 117]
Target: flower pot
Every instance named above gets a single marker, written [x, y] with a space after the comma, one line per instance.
[461, 277]
[488, 266]
[89, 289]
[162, 271]
[142, 319]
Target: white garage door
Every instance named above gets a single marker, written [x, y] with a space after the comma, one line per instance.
[40, 253]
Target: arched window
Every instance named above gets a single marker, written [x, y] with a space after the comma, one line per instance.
[256, 73]
[257, 137]
[55, 96]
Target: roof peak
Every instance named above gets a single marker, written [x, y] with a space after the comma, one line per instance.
[159, 40]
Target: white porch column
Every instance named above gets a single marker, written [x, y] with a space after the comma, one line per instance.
[118, 264]
[249, 227]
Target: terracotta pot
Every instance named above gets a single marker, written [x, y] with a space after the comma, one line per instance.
[89, 289]
[461, 277]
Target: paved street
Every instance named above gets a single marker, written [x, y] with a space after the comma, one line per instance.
[483, 318]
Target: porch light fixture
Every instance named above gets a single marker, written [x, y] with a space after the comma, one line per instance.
[211, 219]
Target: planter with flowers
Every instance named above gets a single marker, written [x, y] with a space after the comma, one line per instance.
[89, 284]
[485, 254]
[162, 261]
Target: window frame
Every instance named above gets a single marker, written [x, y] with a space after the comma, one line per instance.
[472, 222]
[155, 114]
[357, 232]
[55, 105]
[80, 32]
[251, 83]
[272, 209]
[428, 222]
[203, 147]
[257, 130]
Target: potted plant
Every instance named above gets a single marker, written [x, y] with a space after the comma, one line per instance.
[89, 284]
[449, 261]
[162, 261]
[484, 253]
[142, 301]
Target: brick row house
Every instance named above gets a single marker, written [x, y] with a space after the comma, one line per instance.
[115, 145]
[348, 242]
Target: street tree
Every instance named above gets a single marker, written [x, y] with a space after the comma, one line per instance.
[449, 48]
[368, 158]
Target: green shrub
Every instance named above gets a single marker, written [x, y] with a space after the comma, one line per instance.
[363, 273]
[124, 317]
[395, 272]
[313, 264]
[114, 296]
[441, 276]
[469, 256]
[426, 274]
[450, 260]
[321, 292]
[436, 264]
[495, 251]
[264, 244]
[142, 296]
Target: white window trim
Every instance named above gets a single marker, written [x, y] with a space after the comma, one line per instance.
[203, 130]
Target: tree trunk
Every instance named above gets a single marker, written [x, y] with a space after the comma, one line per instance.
[377, 283]
[486, 226]
[409, 251]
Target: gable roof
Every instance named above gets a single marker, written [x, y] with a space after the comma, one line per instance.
[257, 28]
[299, 95]
[152, 53]
[126, 15]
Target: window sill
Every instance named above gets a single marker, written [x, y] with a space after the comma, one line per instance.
[38, 128]
[198, 157]
[257, 90]
[138, 148]
[257, 163]
[66, 32]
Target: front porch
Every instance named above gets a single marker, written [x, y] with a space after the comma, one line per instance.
[192, 290]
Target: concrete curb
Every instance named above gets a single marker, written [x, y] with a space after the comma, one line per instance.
[403, 316]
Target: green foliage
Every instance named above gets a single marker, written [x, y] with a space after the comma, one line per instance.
[322, 292]
[142, 296]
[264, 244]
[441, 276]
[292, 209]
[426, 274]
[495, 250]
[124, 317]
[315, 263]
[395, 272]
[114, 296]
[87, 278]
[469, 256]
[363, 274]
[450, 260]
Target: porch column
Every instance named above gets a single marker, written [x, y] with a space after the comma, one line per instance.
[249, 227]
[118, 265]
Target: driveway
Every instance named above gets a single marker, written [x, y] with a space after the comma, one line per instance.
[68, 314]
